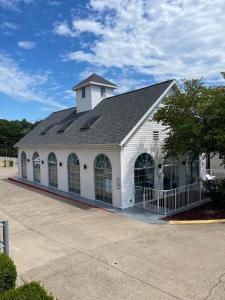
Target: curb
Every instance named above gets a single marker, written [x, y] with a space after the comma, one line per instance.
[214, 221]
[58, 195]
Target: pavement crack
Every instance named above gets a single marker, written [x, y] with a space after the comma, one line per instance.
[130, 275]
[219, 281]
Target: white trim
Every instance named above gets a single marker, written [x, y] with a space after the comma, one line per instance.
[146, 115]
[94, 83]
[73, 146]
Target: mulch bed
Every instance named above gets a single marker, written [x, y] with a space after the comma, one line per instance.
[207, 211]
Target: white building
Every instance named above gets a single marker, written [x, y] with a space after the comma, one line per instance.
[107, 148]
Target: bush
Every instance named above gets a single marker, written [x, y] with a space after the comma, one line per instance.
[28, 291]
[216, 191]
[7, 273]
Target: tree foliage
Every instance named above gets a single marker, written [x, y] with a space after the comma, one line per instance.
[195, 119]
[11, 132]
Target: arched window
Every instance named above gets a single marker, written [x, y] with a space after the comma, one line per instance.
[144, 171]
[103, 178]
[24, 165]
[52, 170]
[36, 167]
[73, 173]
[170, 172]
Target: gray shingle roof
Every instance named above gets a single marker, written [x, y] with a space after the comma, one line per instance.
[94, 78]
[118, 115]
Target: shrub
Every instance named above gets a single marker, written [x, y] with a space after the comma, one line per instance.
[28, 291]
[7, 273]
[216, 191]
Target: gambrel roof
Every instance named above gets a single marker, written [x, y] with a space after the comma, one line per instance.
[108, 123]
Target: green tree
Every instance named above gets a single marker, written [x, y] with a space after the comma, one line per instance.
[11, 132]
[195, 119]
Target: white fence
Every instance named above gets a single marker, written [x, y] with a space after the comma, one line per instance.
[169, 201]
[216, 173]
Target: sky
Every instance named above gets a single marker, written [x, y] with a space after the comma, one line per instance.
[48, 46]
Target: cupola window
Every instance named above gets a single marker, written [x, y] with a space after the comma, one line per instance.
[103, 91]
[83, 92]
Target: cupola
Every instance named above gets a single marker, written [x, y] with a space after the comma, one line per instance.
[91, 91]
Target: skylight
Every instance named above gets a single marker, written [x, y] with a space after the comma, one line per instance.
[65, 125]
[89, 123]
[46, 129]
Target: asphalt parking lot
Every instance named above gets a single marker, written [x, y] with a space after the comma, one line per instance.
[80, 252]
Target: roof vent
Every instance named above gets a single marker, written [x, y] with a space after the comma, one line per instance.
[155, 135]
[89, 123]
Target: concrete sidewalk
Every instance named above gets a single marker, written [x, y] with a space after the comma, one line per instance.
[80, 252]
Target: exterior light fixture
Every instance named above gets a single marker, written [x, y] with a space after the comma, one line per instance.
[159, 166]
[85, 167]
[42, 162]
[28, 160]
[60, 164]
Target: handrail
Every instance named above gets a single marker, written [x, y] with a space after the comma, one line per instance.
[160, 190]
[169, 201]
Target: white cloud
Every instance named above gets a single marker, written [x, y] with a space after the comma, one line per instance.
[54, 2]
[78, 26]
[7, 28]
[20, 85]
[88, 26]
[13, 4]
[26, 45]
[63, 29]
[163, 38]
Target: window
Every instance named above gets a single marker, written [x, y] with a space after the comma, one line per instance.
[143, 175]
[103, 179]
[103, 91]
[52, 170]
[83, 92]
[144, 171]
[24, 165]
[73, 173]
[155, 135]
[36, 167]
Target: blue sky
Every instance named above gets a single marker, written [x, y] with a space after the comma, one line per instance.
[47, 46]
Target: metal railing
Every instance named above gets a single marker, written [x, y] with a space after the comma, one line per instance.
[216, 173]
[167, 202]
[4, 237]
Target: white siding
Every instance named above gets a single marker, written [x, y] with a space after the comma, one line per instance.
[216, 163]
[92, 97]
[87, 157]
[83, 104]
[141, 141]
